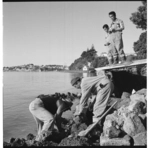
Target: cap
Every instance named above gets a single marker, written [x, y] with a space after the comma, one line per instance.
[74, 80]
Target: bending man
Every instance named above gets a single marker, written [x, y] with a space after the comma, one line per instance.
[43, 109]
[100, 86]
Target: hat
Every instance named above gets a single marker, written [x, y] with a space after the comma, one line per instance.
[74, 80]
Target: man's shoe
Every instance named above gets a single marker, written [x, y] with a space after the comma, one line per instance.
[122, 59]
[115, 60]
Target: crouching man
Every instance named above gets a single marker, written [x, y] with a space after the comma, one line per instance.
[100, 86]
[47, 111]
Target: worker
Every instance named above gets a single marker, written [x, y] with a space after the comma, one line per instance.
[112, 52]
[116, 28]
[47, 111]
[104, 86]
[100, 86]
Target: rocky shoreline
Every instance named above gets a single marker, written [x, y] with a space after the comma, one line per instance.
[124, 125]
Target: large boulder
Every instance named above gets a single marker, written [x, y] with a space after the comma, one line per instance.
[142, 92]
[140, 139]
[112, 125]
[138, 97]
[105, 141]
[133, 125]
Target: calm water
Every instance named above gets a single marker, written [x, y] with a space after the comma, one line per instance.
[19, 89]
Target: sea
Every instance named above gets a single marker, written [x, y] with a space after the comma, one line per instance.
[19, 89]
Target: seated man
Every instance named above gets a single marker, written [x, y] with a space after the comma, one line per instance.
[47, 110]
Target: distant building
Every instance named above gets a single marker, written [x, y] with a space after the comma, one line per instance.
[103, 54]
[85, 68]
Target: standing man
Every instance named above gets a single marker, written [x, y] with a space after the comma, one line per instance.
[112, 52]
[116, 28]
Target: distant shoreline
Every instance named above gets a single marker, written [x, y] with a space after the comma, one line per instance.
[66, 71]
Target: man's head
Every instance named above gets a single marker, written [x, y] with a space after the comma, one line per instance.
[112, 15]
[76, 82]
[106, 28]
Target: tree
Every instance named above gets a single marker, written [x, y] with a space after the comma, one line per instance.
[141, 46]
[140, 18]
[99, 62]
[87, 56]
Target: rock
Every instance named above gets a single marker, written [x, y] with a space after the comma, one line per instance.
[125, 95]
[113, 120]
[12, 140]
[143, 71]
[112, 132]
[75, 141]
[30, 137]
[139, 108]
[18, 143]
[105, 141]
[142, 92]
[5, 144]
[138, 97]
[133, 125]
[112, 125]
[140, 139]
[76, 128]
[122, 102]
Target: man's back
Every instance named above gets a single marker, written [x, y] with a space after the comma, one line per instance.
[49, 102]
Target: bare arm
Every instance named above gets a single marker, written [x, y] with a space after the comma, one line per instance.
[60, 110]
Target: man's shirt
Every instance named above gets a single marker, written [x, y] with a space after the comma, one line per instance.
[117, 24]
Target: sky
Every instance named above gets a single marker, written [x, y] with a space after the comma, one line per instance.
[47, 33]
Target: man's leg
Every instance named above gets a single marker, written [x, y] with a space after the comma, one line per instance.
[41, 115]
[113, 53]
[119, 47]
[102, 98]
[39, 124]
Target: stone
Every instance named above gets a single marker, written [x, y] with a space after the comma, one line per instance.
[112, 125]
[142, 92]
[112, 132]
[140, 139]
[12, 140]
[75, 141]
[5, 144]
[133, 125]
[76, 128]
[138, 97]
[30, 137]
[138, 107]
[105, 141]
[122, 102]
[143, 71]
[125, 95]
